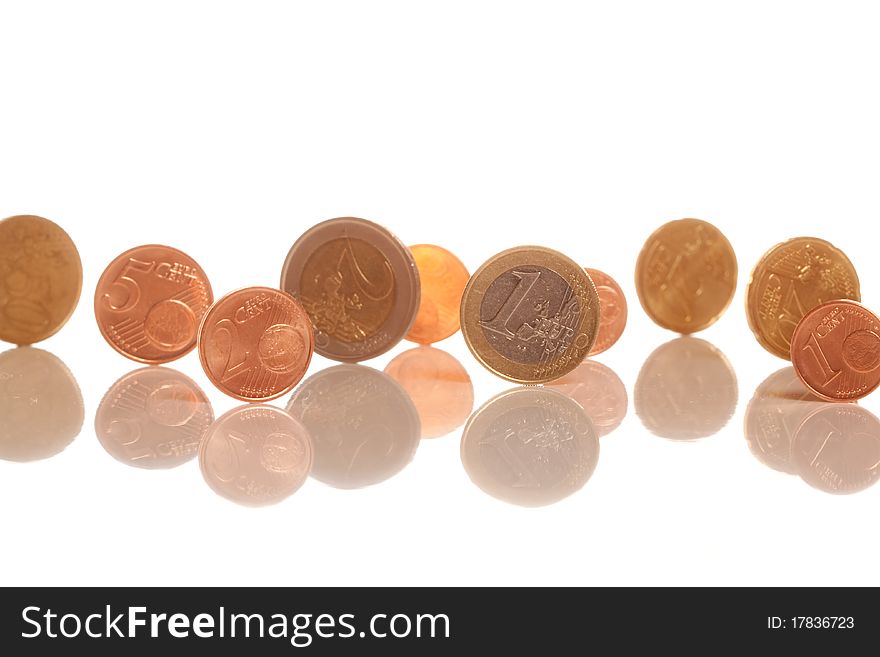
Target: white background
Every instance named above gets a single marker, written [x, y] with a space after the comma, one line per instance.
[228, 128]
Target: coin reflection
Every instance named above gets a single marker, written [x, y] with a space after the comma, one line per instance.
[438, 385]
[774, 414]
[256, 455]
[837, 448]
[364, 426]
[530, 447]
[153, 417]
[685, 390]
[41, 407]
[599, 390]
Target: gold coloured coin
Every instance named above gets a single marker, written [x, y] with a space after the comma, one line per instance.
[686, 275]
[791, 279]
[40, 279]
[530, 314]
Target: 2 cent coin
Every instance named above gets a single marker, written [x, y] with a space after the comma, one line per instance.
[256, 344]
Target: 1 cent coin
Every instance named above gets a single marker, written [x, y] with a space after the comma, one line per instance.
[835, 350]
[40, 279]
[358, 283]
[686, 275]
[256, 344]
[612, 311]
[256, 455]
[443, 278]
[791, 279]
[530, 314]
[152, 418]
[149, 303]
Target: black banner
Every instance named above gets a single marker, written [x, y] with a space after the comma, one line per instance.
[432, 621]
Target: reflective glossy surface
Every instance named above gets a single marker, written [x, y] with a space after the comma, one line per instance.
[41, 407]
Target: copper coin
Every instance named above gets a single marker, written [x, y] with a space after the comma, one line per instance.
[686, 275]
[149, 303]
[530, 314]
[837, 449]
[358, 283]
[835, 350]
[364, 427]
[530, 447]
[256, 455]
[154, 417]
[686, 390]
[256, 344]
[599, 390]
[443, 277]
[612, 311]
[774, 414]
[438, 385]
[40, 279]
[41, 407]
[791, 279]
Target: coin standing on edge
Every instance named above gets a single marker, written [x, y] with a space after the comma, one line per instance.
[835, 350]
[40, 279]
[149, 303]
[358, 283]
[256, 455]
[41, 406]
[612, 311]
[443, 278]
[686, 275]
[256, 344]
[791, 279]
[530, 314]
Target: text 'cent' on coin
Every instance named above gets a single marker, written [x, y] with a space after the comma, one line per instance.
[359, 285]
[255, 344]
[686, 275]
[835, 350]
[150, 301]
[530, 314]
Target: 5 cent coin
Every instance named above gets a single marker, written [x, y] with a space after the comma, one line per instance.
[791, 279]
[40, 279]
[358, 283]
[835, 350]
[149, 303]
[530, 314]
[256, 344]
[686, 275]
